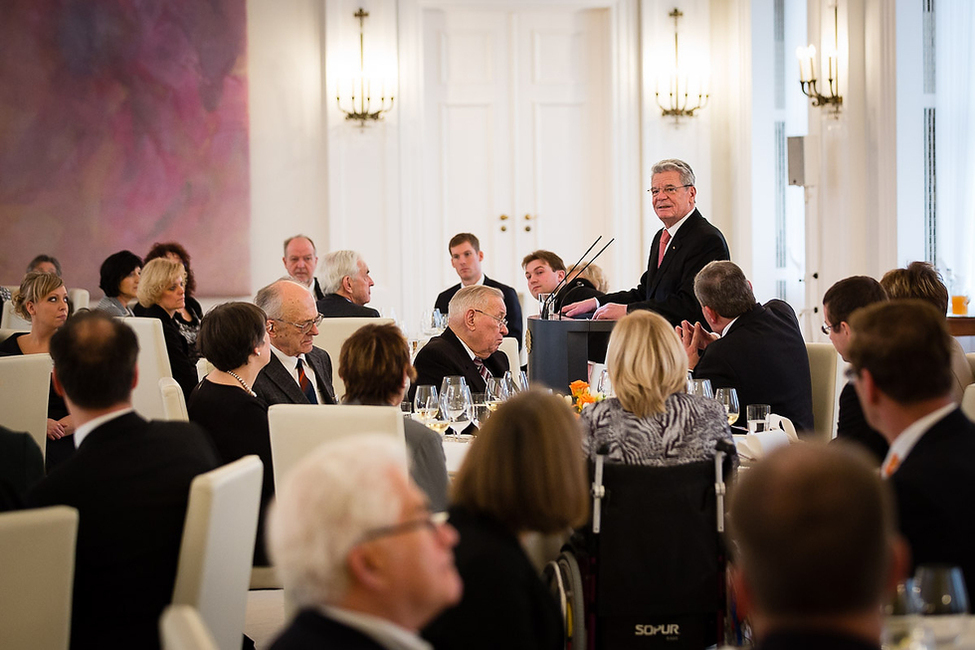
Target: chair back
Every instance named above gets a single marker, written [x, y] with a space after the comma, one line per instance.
[37, 565]
[25, 383]
[152, 363]
[217, 550]
[182, 628]
[10, 319]
[510, 348]
[971, 360]
[7, 332]
[298, 429]
[822, 372]
[332, 333]
[173, 400]
[203, 368]
[79, 299]
[968, 402]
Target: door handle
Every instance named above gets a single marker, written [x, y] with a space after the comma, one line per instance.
[503, 217]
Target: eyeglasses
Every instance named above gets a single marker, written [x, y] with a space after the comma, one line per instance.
[305, 327]
[669, 190]
[826, 328]
[431, 520]
[501, 321]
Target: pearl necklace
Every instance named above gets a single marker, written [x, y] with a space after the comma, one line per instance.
[242, 382]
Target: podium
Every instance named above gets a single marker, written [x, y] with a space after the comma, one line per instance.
[559, 350]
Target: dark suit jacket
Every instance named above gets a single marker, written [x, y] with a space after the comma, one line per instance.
[575, 291]
[130, 482]
[445, 355]
[317, 290]
[178, 350]
[21, 466]
[335, 306]
[312, 630]
[762, 356]
[669, 290]
[851, 425]
[275, 385]
[935, 492]
[511, 305]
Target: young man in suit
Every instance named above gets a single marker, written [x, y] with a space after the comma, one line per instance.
[680, 249]
[466, 257]
[756, 349]
[298, 372]
[545, 271]
[348, 286]
[129, 480]
[901, 356]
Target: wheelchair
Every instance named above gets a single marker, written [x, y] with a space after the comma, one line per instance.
[649, 571]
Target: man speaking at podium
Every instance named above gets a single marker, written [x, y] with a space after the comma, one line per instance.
[685, 244]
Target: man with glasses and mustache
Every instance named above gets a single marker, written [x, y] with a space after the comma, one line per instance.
[298, 372]
[685, 244]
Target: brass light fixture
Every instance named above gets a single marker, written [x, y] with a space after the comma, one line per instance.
[680, 100]
[807, 72]
[359, 102]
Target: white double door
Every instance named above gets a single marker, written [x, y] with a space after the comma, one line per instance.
[516, 134]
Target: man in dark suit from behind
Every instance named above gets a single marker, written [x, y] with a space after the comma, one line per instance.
[129, 480]
[816, 549]
[347, 286]
[901, 356]
[298, 372]
[756, 349]
[680, 249]
[466, 257]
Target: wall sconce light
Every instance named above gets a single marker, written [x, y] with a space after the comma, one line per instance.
[681, 100]
[359, 102]
[807, 71]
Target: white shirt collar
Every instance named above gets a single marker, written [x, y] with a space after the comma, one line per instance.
[480, 280]
[728, 326]
[904, 443]
[381, 630]
[82, 432]
[673, 229]
[290, 363]
[470, 352]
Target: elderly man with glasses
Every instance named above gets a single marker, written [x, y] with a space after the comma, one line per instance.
[680, 249]
[476, 323]
[298, 372]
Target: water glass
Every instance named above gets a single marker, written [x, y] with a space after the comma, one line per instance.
[757, 415]
[943, 600]
[700, 387]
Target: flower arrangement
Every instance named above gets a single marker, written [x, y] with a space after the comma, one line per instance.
[581, 395]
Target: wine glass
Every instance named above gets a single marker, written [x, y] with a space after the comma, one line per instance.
[495, 393]
[426, 402]
[700, 387]
[603, 384]
[523, 379]
[729, 397]
[943, 600]
[455, 403]
[480, 408]
[509, 383]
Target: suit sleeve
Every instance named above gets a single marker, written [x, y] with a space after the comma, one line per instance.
[431, 368]
[716, 367]
[513, 308]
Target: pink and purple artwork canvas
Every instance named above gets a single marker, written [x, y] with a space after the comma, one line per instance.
[124, 123]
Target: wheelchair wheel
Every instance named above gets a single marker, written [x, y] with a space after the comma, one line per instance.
[565, 581]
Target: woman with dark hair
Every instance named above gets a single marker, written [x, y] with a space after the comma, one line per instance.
[525, 472]
[120, 281]
[375, 365]
[189, 315]
[233, 337]
[43, 300]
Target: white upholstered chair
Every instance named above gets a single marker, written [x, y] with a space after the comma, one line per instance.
[332, 333]
[182, 628]
[203, 368]
[37, 565]
[25, 383]
[510, 348]
[822, 370]
[152, 363]
[968, 402]
[174, 402]
[10, 319]
[79, 299]
[218, 547]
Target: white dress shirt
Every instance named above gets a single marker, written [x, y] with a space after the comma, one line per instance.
[291, 365]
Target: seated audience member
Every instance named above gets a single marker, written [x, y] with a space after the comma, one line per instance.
[817, 552]
[466, 257]
[45, 264]
[597, 278]
[188, 316]
[360, 555]
[43, 300]
[651, 421]
[21, 467]
[130, 482]
[922, 281]
[300, 260]
[298, 372]
[469, 346]
[842, 299]
[524, 472]
[233, 337]
[161, 295]
[120, 281]
[375, 366]
[901, 354]
[348, 286]
[544, 272]
[5, 296]
[756, 349]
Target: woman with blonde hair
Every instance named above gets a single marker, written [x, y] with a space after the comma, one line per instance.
[651, 421]
[43, 300]
[161, 294]
[524, 472]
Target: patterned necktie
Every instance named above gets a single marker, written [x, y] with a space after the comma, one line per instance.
[664, 241]
[482, 369]
[305, 384]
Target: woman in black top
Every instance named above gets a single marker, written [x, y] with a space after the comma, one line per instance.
[233, 337]
[189, 316]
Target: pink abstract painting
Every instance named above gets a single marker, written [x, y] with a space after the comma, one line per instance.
[124, 123]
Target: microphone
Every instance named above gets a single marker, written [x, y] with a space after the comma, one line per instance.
[546, 306]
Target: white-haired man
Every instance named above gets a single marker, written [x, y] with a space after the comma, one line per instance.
[348, 287]
[358, 550]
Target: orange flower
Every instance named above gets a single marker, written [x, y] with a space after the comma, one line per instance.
[579, 387]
